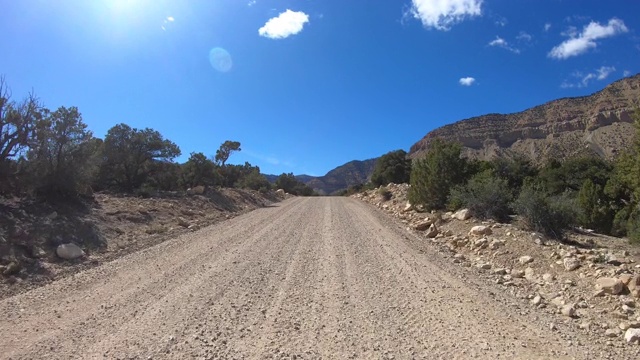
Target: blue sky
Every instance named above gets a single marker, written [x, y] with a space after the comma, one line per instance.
[308, 85]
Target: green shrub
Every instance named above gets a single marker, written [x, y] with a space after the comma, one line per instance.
[434, 175]
[633, 227]
[485, 195]
[393, 167]
[551, 216]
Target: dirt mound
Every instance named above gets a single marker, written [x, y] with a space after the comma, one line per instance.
[105, 227]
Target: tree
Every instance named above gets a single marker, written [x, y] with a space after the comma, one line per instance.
[286, 182]
[434, 175]
[255, 180]
[595, 210]
[199, 170]
[60, 158]
[392, 167]
[225, 150]
[129, 153]
[486, 195]
[17, 124]
[515, 171]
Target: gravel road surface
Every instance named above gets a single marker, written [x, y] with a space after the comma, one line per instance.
[307, 278]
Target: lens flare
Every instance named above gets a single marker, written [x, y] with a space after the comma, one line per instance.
[220, 59]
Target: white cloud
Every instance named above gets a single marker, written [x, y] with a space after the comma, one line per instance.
[502, 43]
[525, 37]
[583, 80]
[466, 81]
[284, 25]
[605, 71]
[498, 42]
[547, 27]
[443, 14]
[626, 73]
[582, 42]
[251, 3]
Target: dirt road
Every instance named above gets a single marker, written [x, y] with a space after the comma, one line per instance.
[308, 278]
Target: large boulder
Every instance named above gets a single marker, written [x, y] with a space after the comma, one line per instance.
[432, 231]
[196, 190]
[480, 230]
[611, 286]
[423, 225]
[69, 251]
[463, 214]
[11, 269]
[281, 192]
[632, 335]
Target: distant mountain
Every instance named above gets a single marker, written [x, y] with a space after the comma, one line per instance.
[352, 173]
[595, 125]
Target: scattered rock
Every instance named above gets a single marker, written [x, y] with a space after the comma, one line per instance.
[611, 286]
[571, 263]
[548, 277]
[479, 230]
[408, 207]
[518, 273]
[69, 251]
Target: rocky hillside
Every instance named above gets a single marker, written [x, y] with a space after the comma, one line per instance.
[589, 284]
[352, 173]
[599, 124]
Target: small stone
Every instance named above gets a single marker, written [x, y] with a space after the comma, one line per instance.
[568, 310]
[500, 271]
[518, 273]
[571, 263]
[537, 300]
[548, 277]
[585, 325]
[525, 259]
[611, 333]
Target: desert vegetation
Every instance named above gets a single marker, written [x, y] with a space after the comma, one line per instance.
[52, 155]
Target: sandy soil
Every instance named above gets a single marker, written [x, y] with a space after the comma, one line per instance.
[307, 278]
